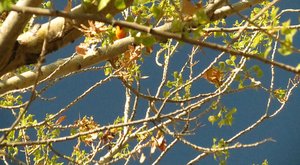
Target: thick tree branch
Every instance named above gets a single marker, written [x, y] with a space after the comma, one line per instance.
[162, 31]
[61, 32]
[78, 62]
[10, 30]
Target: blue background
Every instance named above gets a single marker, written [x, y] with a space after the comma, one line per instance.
[106, 103]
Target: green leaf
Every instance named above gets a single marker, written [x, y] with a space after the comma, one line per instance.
[298, 67]
[241, 85]
[13, 151]
[280, 94]
[218, 34]
[258, 71]
[222, 65]
[5, 5]
[102, 4]
[213, 119]
[274, 12]
[148, 41]
[232, 58]
[55, 133]
[257, 40]
[169, 84]
[214, 105]
[156, 11]
[201, 17]
[177, 25]
[166, 94]
[48, 5]
[73, 131]
[284, 50]
[107, 71]
[232, 111]
[285, 25]
[230, 62]
[265, 162]
[120, 4]
[290, 35]
[141, 2]
[108, 16]
[130, 18]
[267, 51]
[175, 75]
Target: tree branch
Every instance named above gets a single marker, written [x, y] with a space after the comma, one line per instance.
[226, 11]
[62, 31]
[10, 30]
[30, 46]
[161, 31]
[26, 79]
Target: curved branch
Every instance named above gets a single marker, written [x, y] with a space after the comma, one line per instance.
[27, 79]
[30, 45]
[62, 31]
[162, 32]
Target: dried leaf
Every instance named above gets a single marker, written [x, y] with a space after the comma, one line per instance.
[60, 119]
[153, 147]
[160, 140]
[93, 30]
[153, 144]
[81, 49]
[214, 76]
[87, 124]
[188, 8]
[149, 49]
[162, 143]
[68, 6]
[142, 158]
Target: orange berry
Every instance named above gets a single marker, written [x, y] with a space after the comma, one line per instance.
[120, 32]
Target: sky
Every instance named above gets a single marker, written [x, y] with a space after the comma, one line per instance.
[106, 102]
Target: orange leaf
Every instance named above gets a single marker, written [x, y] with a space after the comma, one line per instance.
[188, 8]
[214, 76]
[60, 119]
[162, 143]
[81, 49]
